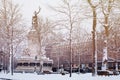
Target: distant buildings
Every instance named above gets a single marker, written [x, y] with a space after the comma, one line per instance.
[81, 53]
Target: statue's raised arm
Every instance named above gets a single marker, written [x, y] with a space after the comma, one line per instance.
[38, 11]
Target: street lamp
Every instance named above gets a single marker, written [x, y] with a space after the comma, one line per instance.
[58, 57]
[79, 62]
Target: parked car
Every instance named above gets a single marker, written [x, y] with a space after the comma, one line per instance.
[116, 72]
[106, 72]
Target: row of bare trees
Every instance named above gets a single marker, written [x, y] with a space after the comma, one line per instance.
[70, 15]
[11, 29]
[66, 27]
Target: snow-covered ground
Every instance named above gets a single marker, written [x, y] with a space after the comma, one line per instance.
[31, 76]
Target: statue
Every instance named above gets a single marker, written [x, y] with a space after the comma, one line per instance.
[34, 19]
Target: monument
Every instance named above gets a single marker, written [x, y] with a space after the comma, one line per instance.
[33, 39]
[34, 55]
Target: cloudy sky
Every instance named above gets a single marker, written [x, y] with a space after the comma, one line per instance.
[29, 6]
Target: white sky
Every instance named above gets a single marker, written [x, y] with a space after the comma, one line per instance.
[29, 6]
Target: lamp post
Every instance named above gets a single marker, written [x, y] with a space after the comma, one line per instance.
[79, 62]
[35, 68]
[116, 56]
[58, 58]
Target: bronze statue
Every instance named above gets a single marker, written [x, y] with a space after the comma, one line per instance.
[34, 19]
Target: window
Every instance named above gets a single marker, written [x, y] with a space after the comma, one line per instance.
[38, 64]
[44, 64]
[19, 64]
[25, 64]
[32, 64]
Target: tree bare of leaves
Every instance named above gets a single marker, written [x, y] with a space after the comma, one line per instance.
[10, 17]
[69, 16]
[94, 6]
[45, 30]
[106, 10]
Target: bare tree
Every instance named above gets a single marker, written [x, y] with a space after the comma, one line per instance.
[11, 17]
[69, 16]
[113, 39]
[94, 6]
[106, 10]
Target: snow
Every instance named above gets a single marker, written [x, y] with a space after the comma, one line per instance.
[75, 76]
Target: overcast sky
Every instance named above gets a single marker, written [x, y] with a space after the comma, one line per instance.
[29, 6]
